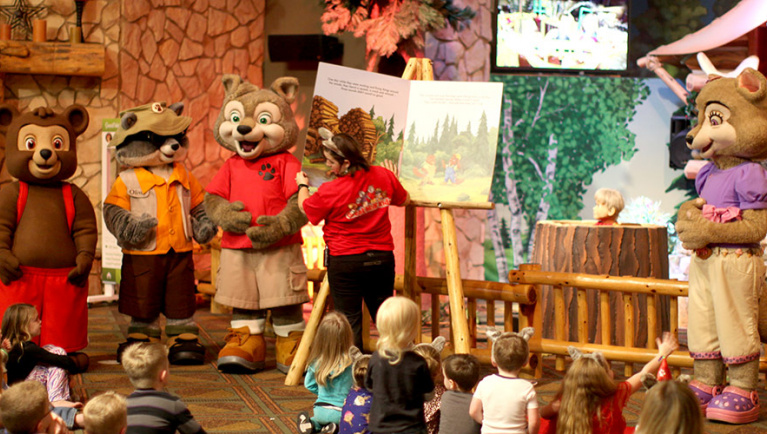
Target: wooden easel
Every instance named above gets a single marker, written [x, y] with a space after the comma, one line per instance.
[421, 69]
[416, 69]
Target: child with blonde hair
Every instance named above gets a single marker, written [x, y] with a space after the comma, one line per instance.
[609, 203]
[355, 414]
[27, 361]
[329, 374]
[150, 408]
[431, 408]
[25, 410]
[398, 377]
[503, 402]
[106, 414]
[592, 401]
[670, 407]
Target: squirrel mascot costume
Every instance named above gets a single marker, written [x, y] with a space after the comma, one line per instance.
[724, 228]
[48, 228]
[253, 198]
[154, 210]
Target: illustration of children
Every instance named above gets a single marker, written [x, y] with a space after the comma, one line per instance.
[427, 170]
[451, 167]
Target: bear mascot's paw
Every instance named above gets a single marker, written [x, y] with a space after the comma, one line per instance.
[691, 223]
[79, 275]
[9, 267]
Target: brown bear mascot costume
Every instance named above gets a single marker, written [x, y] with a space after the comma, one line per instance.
[48, 228]
[253, 198]
[724, 227]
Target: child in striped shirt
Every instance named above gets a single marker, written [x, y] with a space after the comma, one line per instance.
[151, 410]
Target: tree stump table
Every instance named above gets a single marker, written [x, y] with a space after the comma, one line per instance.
[619, 250]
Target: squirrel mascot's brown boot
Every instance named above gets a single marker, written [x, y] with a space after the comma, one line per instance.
[243, 351]
[285, 350]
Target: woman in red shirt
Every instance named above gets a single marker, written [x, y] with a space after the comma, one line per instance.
[357, 230]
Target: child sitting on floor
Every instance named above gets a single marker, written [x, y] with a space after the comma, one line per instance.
[329, 375]
[106, 414]
[150, 408]
[27, 361]
[591, 399]
[461, 373]
[66, 410]
[398, 377]
[503, 402]
[25, 410]
[431, 353]
[355, 414]
[670, 407]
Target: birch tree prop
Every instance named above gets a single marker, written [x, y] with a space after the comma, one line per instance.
[556, 133]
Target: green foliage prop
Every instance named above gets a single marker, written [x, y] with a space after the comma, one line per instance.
[556, 133]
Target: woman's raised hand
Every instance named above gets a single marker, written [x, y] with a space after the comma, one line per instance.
[301, 178]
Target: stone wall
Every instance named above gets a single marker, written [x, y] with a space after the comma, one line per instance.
[156, 50]
[177, 50]
[460, 56]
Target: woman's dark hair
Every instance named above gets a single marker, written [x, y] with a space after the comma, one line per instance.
[352, 151]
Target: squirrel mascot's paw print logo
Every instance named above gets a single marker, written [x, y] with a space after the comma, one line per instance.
[267, 172]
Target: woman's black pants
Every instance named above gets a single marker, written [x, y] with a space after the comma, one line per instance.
[353, 278]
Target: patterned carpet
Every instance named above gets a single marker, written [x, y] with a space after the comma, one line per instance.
[261, 403]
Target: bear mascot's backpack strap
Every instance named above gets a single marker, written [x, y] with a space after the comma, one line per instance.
[66, 191]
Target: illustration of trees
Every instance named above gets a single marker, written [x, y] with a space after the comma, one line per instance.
[556, 133]
[475, 149]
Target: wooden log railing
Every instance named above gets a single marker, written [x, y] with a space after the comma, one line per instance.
[514, 298]
[522, 295]
[628, 287]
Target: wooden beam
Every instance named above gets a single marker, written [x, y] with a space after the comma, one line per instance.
[51, 58]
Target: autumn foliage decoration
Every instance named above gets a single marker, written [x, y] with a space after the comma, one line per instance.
[391, 26]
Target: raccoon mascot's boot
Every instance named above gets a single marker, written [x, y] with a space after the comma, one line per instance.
[184, 347]
[140, 331]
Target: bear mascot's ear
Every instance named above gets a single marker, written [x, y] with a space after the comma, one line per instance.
[231, 83]
[752, 86]
[78, 118]
[286, 88]
[177, 107]
[7, 114]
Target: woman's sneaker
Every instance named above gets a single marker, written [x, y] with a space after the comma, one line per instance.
[304, 423]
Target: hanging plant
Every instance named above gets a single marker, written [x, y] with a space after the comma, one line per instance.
[391, 26]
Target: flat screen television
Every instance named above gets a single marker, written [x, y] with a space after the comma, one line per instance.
[561, 36]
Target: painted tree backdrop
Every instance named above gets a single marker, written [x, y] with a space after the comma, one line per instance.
[555, 134]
